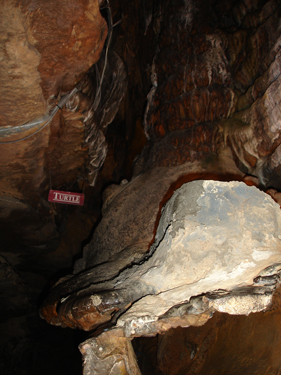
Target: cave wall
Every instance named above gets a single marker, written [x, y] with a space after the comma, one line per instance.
[206, 90]
[190, 82]
[46, 50]
[224, 345]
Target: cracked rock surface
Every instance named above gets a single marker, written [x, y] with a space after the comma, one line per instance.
[217, 247]
[212, 236]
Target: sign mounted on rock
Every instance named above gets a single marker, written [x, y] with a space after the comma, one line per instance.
[66, 197]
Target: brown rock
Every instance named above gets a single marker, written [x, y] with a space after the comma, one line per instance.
[70, 44]
[47, 47]
[110, 352]
[211, 78]
[139, 204]
[224, 345]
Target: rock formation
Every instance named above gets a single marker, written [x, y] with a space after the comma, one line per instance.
[217, 248]
[148, 95]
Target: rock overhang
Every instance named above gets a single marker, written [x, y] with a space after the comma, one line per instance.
[217, 243]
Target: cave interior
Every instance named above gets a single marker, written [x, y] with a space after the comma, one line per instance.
[118, 107]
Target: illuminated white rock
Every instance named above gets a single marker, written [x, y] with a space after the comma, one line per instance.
[211, 236]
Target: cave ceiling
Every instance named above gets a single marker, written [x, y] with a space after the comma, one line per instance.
[123, 102]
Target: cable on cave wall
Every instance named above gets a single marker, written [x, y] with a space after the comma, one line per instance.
[44, 120]
[8, 130]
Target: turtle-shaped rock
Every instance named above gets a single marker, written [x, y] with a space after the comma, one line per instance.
[217, 247]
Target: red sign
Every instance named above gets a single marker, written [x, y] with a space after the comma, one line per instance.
[66, 197]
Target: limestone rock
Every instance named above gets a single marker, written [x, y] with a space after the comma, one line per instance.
[49, 46]
[106, 100]
[211, 236]
[209, 90]
[109, 353]
[226, 344]
[46, 49]
[131, 211]
[131, 214]
[217, 247]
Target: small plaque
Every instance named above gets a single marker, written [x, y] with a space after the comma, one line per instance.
[66, 197]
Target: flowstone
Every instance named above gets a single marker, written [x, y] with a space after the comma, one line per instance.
[213, 239]
[217, 248]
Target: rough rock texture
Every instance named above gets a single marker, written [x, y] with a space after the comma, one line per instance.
[216, 240]
[36, 66]
[119, 249]
[61, 155]
[207, 92]
[109, 353]
[46, 48]
[211, 72]
[240, 345]
[211, 236]
[97, 104]
[131, 210]
[226, 344]
[37, 70]
[217, 248]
